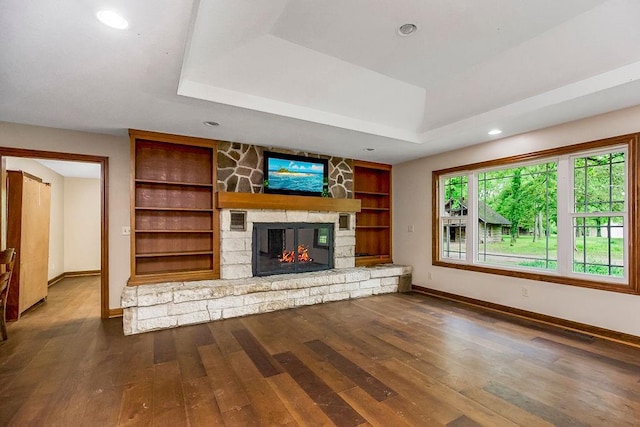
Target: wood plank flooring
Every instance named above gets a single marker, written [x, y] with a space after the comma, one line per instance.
[392, 360]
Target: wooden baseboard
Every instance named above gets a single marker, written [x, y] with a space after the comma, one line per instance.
[82, 273]
[115, 312]
[557, 322]
[55, 280]
[66, 274]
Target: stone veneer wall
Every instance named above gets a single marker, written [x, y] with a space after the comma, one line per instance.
[240, 169]
[168, 305]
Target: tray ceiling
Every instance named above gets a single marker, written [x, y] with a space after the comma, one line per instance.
[331, 76]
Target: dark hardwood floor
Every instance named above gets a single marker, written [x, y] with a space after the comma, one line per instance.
[392, 360]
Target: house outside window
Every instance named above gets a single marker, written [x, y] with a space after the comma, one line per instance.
[454, 218]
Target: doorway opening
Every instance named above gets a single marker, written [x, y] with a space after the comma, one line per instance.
[99, 165]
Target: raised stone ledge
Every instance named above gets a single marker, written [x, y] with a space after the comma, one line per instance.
[168, 305]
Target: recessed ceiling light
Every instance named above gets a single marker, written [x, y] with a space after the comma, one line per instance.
[495, 132]
[369, 149]
[112, 19]
[211, 124]
[407, 29]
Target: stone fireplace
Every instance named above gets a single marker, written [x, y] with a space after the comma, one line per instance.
[281, 248]
[236, 246]
[282, 232]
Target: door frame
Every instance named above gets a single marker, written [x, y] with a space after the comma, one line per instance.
[105, 312]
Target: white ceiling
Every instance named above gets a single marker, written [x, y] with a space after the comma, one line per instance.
[324, 76]
[72, 169]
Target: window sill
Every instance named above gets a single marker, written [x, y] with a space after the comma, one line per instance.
[551, 278]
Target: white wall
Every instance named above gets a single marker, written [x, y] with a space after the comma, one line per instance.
[56, 226]
[81, 224]
[116, 148]
[412, 206]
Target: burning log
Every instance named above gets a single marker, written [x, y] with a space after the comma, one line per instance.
[289, 256]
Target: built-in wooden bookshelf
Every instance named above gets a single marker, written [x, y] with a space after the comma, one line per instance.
[372, 186]
[174, 222]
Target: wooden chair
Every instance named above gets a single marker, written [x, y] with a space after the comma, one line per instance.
[7, 257]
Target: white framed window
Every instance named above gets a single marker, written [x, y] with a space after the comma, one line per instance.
[558, 215]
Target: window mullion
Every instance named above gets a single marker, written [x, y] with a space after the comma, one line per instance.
[565, 219]
[472, 218]
[443, 236]
[625, 215]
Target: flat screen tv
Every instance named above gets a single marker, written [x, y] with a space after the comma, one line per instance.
[296, 175]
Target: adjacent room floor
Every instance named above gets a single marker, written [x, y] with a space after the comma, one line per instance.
[402, 359]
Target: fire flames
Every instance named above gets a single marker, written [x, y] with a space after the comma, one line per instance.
[289, 256]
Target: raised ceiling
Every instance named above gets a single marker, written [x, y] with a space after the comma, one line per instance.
[324, 76]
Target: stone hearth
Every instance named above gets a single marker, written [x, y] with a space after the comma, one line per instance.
[238, 293]
[168, 305]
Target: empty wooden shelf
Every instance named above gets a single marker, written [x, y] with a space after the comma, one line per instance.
[174, 221]
[372, 186]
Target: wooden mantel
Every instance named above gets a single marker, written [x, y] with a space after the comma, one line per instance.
[228, 200]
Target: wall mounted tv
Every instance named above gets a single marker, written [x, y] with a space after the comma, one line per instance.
[297, 175]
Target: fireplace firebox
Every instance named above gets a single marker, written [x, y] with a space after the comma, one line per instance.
[280, 248]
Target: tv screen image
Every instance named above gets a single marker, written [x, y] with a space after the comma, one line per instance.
[289, 174]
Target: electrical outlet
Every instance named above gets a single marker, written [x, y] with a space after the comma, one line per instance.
[525, 292]
[126, 230]
[410, 229]
[429, 275]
